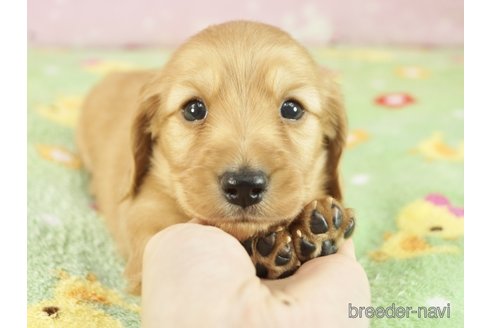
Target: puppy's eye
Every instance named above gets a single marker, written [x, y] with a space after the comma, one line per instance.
[194, 110]
[291, 110]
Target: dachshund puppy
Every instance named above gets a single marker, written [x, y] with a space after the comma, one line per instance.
[240, 129]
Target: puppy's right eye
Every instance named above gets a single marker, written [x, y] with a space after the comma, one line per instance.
[194, 110]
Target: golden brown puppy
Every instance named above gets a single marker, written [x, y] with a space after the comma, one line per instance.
[241, 129]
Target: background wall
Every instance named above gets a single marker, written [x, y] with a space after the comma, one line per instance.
[315, 22]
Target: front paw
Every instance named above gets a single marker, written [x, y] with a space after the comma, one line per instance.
[133, 275]
[318, 230]
[273, 254]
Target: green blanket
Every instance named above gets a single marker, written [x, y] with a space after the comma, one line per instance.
[403, 173]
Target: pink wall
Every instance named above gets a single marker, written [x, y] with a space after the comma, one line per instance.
[167, 22]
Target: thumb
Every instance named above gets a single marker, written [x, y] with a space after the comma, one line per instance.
[326, 285]
[189, 247]
[197, 268]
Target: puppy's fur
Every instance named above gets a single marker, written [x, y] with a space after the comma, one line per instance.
[151, 168]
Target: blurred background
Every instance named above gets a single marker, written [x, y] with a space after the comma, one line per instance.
[130, 23]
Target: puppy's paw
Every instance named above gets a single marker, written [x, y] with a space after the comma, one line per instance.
[273, 254]
[319, 230]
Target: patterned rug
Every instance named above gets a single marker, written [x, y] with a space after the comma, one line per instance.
[403, 173]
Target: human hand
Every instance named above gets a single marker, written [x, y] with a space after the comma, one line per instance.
[200, 276]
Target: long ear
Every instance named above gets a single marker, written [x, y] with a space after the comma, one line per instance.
[334, 123]
[142, 137]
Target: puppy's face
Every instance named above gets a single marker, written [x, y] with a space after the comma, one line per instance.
[245, 127]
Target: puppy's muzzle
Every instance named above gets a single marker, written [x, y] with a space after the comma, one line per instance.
[245, 187]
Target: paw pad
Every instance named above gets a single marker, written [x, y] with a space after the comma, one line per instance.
[284, 255]
[318, 223]
[350, 229]
[265, 245]
[318, 231]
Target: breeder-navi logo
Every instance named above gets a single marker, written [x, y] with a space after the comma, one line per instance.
[399, 312]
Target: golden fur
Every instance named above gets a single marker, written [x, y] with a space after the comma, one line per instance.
[151, 168]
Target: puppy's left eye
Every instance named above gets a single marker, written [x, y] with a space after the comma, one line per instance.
[194, 110]
[291, 110]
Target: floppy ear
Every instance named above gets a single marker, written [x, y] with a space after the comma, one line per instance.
[334, 122]
[142, 137]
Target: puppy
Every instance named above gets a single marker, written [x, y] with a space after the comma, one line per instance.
[240, 129]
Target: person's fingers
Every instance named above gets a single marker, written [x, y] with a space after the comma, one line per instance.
[347, 249]
[198, 268]
[318, 275]
[336, 280]
[202, 251]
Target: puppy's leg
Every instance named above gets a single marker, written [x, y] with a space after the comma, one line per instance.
[148, 214]
[133, 268]
[319, 230]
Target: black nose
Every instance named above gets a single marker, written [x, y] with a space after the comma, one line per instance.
[244, 188]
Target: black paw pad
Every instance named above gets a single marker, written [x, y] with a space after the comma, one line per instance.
[318, 223]
[247, 244]
[265, 244]
[350, 229]
[284, 256]
[261, 270]
[307, 248]
[328, 247]
[337, 216]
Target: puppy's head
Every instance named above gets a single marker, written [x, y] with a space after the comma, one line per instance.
[242, 127]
